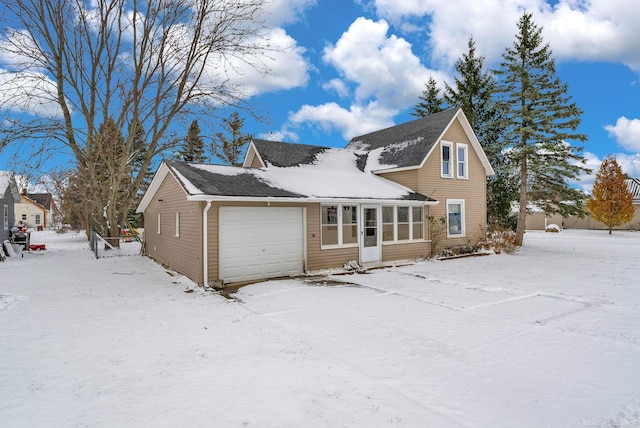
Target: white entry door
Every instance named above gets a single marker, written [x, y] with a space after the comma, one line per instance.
[370, 249]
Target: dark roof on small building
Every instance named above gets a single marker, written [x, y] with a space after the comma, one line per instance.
[287, 154]
[407, 144]
[44, 199]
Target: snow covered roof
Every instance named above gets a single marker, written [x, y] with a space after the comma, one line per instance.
[7, 180]
[331, 174]
[286, 154]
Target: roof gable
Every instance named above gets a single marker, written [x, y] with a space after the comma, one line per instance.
[281, 154]
[408, 145]
[8, 181]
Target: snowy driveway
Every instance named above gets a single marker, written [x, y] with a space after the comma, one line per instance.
[549, 337]
[469, 354]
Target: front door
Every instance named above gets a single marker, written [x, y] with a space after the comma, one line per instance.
[370, 234]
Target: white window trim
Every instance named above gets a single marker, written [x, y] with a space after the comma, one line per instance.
[451, 159]
[6, 217]
[462, 218]
[340, 227]
[395, 226]
[465, 147]
[177, 224]
[158, 223]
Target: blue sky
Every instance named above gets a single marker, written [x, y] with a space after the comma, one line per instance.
[352, 67]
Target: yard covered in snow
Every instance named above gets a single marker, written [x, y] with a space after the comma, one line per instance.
[548, 337]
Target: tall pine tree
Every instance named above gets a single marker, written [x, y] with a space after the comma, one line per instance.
[473, 90]
[229, 143]
[539, 118]
[611, 202]
[430, 100]
[192, 149]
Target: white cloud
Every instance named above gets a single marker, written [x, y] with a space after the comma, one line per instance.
[575, 29]
[337, 85]
[28, 92]
[382, 67]
[280, 12]
[285, 61]
[626, 132]
[357, 120]
[630, 165]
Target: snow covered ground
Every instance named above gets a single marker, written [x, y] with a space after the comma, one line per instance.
[549, 337]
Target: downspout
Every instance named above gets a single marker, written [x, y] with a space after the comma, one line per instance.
[205, 244]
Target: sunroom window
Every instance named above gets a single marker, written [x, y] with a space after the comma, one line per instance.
[402, 223]
[339, 225]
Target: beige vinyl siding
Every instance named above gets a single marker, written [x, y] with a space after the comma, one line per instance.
[184, 253]
[409, 251]
[317, 258]
[408, 178]
[472, 190]
[255, 163]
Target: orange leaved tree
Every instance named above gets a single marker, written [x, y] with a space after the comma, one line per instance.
[611, 202]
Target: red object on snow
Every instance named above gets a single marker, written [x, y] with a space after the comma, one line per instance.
[37, 247]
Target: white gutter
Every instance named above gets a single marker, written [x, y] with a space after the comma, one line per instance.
[205, 244]
[211, 198]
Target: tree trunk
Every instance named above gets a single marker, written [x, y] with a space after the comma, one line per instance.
[522, 212]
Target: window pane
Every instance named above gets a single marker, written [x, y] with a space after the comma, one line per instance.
[403, 214]
[416, 214]
[417, 230]
[329, 214]
[329, 235]
[387, 215]
[455, 219]
[403, 231]
[462, 158]
[349, 215]
[350, 234]
[446, 160]
[387, 232]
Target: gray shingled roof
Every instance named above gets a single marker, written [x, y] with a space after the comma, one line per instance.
[407, 144]
[310, 181]
[243, 184]
[43, 199]
[287, 154]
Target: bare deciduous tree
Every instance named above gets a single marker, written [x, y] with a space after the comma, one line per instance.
[71, 65]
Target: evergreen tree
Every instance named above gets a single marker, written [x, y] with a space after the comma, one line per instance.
[192, 149]
[228, 145]
[538, 118]
[430, 100]
[611, 202]
[473, 90]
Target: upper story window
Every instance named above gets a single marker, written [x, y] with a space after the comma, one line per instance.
[462, 152]
[177, 224]
[446, 155]
[158, 223]
[6, 217]
[339, 225]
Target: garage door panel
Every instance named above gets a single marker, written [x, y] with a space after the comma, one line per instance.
[260, 242]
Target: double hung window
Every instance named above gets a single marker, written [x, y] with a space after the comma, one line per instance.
[450, 166]
[455, 218]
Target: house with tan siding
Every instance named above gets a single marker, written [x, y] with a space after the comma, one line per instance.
[293, 209]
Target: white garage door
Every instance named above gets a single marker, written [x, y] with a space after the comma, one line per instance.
[260, 242]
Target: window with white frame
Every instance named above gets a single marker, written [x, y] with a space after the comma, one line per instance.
[402, 223]
[23, 217]
[388, 224]
[37, 219]
[462, 160]
[339, 225]
[177, 224]
[6, 217]
[446, 155]
[455, 218]
[158, 223]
